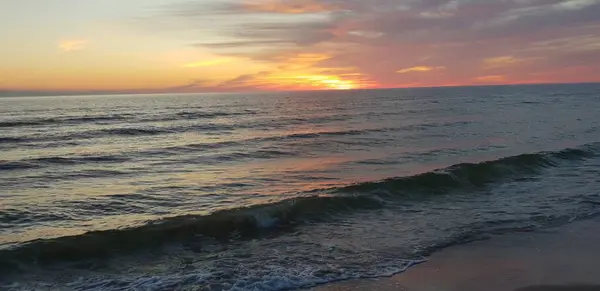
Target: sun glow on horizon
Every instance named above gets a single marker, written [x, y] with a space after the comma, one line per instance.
[328, 82]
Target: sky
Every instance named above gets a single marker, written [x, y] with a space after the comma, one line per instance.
[256, 45]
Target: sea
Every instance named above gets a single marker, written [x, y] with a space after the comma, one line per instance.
[285, 190]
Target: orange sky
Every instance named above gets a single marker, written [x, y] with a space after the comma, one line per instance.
[246, 45]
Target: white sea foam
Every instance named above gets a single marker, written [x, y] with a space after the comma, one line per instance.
[269, 278]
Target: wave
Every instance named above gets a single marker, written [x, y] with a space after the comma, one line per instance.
[189, 115]
[352, 132]
[252, 221]
[289, 136]
[209, 114]
[17, 123]
[41, 162]
[36, 163]
[244, 222]
[90, 134]
[11, 140]
[147, 131]
[211, 128]
[58, 120]
[15, 217]
[258, 154]
[330, 133]
[125, 131]
[255, 140]
[475, 175]
[16, 165]
[151, 130]
[81, 159]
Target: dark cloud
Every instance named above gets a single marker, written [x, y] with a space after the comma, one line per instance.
[396, 21]
[243, 81]
[240, 83]
[192, 84]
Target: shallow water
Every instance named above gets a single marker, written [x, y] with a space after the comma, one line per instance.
[276, 191]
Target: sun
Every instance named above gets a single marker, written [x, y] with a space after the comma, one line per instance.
[344, 87]
[329, 82]
[338, 84]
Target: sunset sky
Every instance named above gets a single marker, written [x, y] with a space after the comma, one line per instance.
[244, 45]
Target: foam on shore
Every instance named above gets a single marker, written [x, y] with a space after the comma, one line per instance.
[565, 258]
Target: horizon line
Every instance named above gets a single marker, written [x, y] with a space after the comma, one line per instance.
[7, 93]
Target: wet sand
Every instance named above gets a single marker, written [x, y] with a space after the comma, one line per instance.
[566, 258]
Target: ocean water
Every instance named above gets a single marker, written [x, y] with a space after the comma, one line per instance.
[280, 191]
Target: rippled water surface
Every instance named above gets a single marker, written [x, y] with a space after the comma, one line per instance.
[275, 191]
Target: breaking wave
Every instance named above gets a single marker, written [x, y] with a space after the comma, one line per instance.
[253, 221]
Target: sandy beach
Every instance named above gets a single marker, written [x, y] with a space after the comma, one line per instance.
[565, 258]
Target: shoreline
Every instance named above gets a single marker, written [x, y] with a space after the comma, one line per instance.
[563, 258]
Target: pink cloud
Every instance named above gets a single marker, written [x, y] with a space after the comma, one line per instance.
[388, 42]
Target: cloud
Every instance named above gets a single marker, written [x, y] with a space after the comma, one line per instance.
[72, 45]
[507, 61]
[289, 7]
[525, 39]
[234, 44]
[245, 81]
[191, 85]
[500, 61]
[419, 69]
